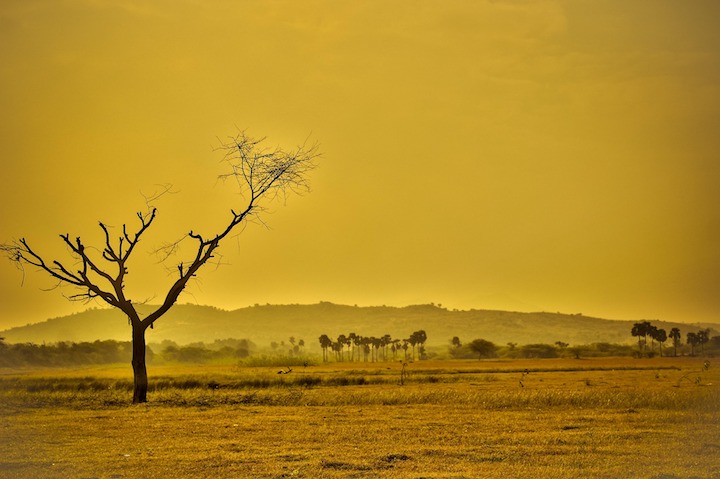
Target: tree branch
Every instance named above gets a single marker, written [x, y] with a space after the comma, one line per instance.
[262, 175]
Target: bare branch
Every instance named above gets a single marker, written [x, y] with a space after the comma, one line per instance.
[21, 253]
[109, 253]
[169, 249]
[162, 190]
[262, 175]
[79, 249]
[261, 171]
[145, 222]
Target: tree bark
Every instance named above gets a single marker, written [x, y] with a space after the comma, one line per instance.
[138, 363]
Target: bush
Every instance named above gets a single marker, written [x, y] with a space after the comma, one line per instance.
[532, 351]
[463, 352]
[483, 348]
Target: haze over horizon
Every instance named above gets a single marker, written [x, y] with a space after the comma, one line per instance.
[514, 155]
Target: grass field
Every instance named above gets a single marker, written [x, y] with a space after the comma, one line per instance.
[597, 418]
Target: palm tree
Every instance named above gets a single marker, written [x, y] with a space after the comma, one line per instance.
[417, 338]
[703, 337]
[676, 337]
[325, 343]
[348, 343]
[652, 332]
[341, 341]
[376, 344]
[413, 340]
[385, 342]
[366, 347]
[422, 337]
[357, 341]
[641, 330]
[352, 338]
[692, 340]
[660, 336]
[395, 348]
[337, 347]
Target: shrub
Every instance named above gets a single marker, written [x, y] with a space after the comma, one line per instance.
[531, 351]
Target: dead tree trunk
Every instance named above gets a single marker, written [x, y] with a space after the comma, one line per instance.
[140, 377]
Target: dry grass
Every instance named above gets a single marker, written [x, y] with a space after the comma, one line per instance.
[600, 419]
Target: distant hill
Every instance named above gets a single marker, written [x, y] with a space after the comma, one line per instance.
[264, 324]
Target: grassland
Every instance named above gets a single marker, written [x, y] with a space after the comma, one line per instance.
[596, 418]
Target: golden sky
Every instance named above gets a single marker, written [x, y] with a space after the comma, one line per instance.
[523, 155]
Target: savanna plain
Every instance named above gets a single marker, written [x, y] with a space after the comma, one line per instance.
[561, 418]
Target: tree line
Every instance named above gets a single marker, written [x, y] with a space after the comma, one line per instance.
[645, 329]
[484, 349]
[67, 353]
[351, 347]
[354, 347]
[297, 346]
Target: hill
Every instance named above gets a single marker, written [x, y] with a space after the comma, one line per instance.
[264, 324]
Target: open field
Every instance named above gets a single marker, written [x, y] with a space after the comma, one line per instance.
[601, 418]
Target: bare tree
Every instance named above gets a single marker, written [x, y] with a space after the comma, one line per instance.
[262, 175]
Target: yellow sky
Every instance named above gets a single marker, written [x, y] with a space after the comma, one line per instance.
[523, 155]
